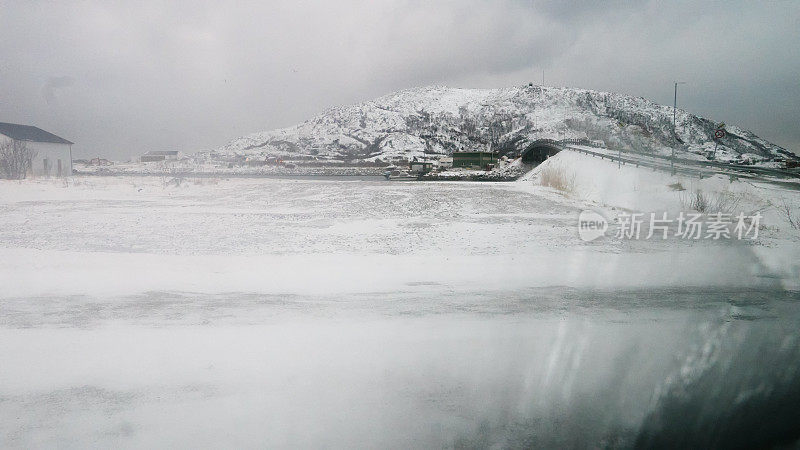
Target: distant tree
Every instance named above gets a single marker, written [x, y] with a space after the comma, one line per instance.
[15, 159]
[468, 126]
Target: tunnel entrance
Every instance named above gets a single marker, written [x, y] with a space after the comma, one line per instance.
[539, 150]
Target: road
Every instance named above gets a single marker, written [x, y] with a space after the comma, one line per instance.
[689, 167]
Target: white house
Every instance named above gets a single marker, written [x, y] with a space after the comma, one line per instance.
[53, 153]
[446, 162]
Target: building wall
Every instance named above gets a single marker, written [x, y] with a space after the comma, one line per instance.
[473, 159]
[418, 167]
[52, 153]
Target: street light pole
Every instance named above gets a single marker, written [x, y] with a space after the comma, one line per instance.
[674, 131]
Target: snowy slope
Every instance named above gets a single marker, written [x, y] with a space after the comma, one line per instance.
[439, 120]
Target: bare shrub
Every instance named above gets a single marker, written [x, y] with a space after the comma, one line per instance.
[723, 202]
[557, 178]
[676, 187]
[172, 182]
[792, 215]
[695, 200]
[15, 159]
[171, 176]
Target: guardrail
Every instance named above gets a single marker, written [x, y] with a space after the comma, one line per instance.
[639, 163]
[737, 168]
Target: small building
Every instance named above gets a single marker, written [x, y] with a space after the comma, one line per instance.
[446, 162]
[420, 167]
[160, 155]
[53, 154]
[473, 160]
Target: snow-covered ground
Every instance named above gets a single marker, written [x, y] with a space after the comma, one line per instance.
[316, 313]
[270, 235]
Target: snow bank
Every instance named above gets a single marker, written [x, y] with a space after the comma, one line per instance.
[609, 183]
[611, 187]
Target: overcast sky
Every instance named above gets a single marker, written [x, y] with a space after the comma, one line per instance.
[120, 78]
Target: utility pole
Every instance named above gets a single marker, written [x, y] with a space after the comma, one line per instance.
[674, 131]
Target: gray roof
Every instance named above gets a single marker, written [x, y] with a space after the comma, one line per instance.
[30, 133]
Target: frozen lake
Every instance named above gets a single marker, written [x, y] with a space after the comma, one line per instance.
[368, 314]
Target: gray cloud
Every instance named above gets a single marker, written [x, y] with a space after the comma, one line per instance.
[192, 75]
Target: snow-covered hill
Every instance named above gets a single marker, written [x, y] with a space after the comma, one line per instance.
[433, 121]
